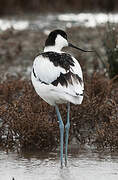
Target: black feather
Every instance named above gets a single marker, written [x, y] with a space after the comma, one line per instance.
[50, 41]
[34, 73]
[66, 79]
[63, 60]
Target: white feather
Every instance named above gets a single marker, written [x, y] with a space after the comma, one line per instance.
[60, 42]
[45, 69]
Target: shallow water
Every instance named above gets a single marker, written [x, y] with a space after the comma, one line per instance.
[82, 165]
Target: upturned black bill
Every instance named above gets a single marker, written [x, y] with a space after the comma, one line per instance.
[71, 45]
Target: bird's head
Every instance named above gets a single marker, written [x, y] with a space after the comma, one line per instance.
[57, 39]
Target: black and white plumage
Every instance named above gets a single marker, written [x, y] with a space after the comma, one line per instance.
[57, 78]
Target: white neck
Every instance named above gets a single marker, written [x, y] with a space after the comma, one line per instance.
[60, 42]
[52, 48]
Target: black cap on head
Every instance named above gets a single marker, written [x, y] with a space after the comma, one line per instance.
[52, 36]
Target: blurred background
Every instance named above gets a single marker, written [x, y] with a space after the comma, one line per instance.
[18, 6]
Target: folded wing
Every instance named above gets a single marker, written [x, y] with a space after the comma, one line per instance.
[61, 71]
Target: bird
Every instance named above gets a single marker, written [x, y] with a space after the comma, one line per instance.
[58, 79]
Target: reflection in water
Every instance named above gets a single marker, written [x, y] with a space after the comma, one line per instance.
[45, 166]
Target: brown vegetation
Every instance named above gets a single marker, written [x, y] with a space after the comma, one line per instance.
[110, 42]
[96, 120]
[26, 123]
[29, 122]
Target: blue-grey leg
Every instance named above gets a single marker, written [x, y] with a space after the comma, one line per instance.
[61, 126]
[67, 127]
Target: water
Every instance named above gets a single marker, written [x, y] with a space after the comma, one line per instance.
[82, 165]
[52, 21]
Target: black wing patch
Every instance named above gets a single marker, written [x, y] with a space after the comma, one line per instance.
[63, 60]
[66, 79]
[34, 73]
